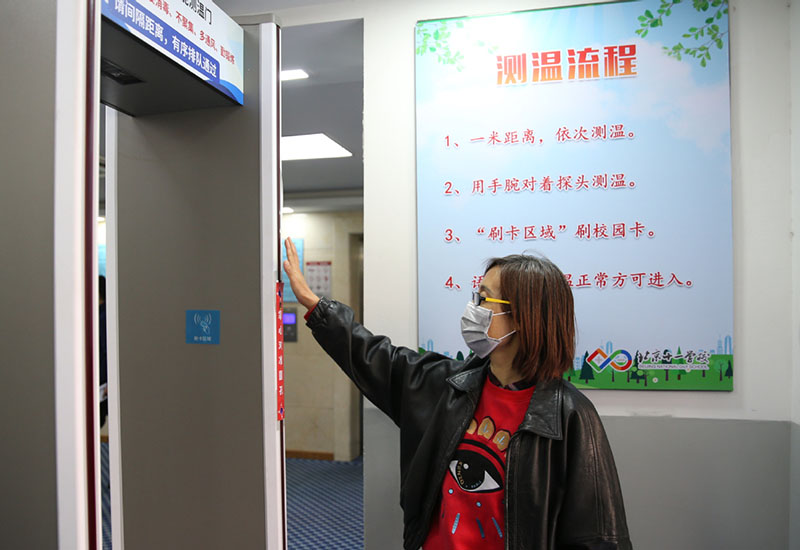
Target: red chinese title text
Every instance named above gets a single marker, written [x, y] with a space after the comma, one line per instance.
[548, 66]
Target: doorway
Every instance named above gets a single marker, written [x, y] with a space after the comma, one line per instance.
[194, 219]
[324, 215]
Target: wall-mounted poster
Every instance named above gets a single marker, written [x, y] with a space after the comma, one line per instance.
[288, 293]
[599, 137]
[320, 277]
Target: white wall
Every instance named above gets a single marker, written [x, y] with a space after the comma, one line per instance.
[795, 195]
[794, 499]
[760, 120]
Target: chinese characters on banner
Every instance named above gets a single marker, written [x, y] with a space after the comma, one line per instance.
[196, 34]
[601, 140]
[279, 348]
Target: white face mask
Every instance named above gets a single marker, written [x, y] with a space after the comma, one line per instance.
[475, 327]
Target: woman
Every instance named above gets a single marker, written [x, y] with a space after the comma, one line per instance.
[497, 451]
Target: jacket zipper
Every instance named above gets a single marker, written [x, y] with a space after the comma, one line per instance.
[509, 470]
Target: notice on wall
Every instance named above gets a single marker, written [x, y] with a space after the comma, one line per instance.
[202, 326]
[320, 278]
[196, 34]
[597, 136]
[288, 293]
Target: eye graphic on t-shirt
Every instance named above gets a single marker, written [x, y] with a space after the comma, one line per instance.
[475, 473]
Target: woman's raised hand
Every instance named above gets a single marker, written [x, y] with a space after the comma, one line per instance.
[298, 283]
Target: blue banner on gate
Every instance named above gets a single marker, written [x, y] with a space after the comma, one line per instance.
[135, 17]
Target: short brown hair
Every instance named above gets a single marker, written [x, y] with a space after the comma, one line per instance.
[543, 310]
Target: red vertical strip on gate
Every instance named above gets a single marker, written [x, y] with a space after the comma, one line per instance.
[279, 346]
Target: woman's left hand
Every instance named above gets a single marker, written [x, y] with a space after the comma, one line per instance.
[296, 279]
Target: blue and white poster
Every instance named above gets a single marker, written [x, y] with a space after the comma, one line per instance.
[599, 137]
[196, 34]
[288, 293]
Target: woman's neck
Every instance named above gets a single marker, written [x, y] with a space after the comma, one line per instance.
[502, 365]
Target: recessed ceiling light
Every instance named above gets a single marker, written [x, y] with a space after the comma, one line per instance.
[293, 74]
[311, 146]
[287, 210]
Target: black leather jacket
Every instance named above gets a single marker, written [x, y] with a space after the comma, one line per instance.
[562, 490]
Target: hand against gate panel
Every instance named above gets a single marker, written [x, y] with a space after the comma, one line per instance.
[296, 279]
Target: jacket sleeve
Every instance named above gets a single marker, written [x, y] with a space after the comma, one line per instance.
[383, 372]
[593, 509]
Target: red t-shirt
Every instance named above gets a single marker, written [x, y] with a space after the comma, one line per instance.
[471, 513]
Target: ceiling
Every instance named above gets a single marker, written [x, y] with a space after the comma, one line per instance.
[330, 101]
[254, 7]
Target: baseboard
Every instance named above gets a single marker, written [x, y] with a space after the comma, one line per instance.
[313, 455]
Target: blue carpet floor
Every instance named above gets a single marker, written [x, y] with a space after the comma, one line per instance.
[105, 480]
[325, 503]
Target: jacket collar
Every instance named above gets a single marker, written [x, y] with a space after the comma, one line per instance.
[543, 416]
[472, 377]
[544, 412]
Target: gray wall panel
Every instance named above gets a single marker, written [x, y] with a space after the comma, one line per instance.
[27, 386]
[689, 484]
[383, 517]
[191, 415]
[699, 484]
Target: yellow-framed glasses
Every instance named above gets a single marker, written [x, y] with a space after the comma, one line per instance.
[477, 299]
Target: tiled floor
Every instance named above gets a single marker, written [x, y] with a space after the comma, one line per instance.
[325, 503]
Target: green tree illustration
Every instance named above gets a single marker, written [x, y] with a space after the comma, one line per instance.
[432, 38]
[586, 369]
[729, 370]
[638, 374]
[666, 371]
[705, 36]
[459, 356]
[635, 366]
[679, 360]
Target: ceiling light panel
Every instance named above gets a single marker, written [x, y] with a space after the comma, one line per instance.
[293, 74]
[311, 146]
